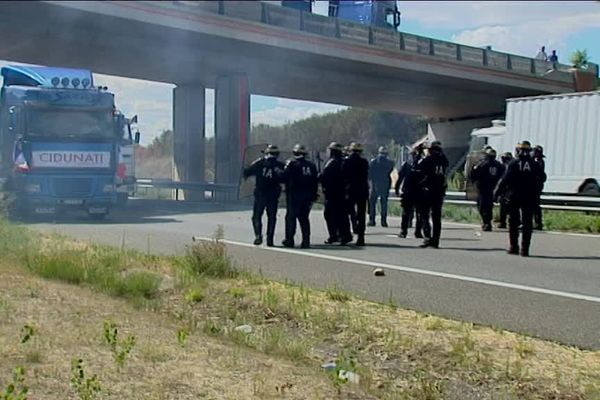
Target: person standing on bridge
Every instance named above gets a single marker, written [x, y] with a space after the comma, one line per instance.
[268, 171]
[520, 184]
[380, 169]
[332, 181]
[301, 180]
[485, 175]
[506, 159]
[538, 157]
[431, 177]
[406, 183]
[355, 170]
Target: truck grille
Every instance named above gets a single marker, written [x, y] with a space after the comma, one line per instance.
[72, 187]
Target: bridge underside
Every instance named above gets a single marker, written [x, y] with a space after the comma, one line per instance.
[128, 48]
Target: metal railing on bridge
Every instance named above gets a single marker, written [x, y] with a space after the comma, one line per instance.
[209, 189]
[389, 39]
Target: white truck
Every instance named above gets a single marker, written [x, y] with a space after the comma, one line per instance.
[567, 126]
[125, 179]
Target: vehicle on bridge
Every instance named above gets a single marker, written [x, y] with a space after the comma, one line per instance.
[59, 140]
[567, 126]
[125, 179]
[380, 13]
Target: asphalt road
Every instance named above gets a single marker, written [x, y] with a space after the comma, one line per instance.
[555, 294]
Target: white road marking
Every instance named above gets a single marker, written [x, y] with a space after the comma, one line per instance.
[464, 278]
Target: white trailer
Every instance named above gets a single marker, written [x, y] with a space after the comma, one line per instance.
[567, 126]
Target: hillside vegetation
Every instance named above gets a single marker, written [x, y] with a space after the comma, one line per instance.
[372, 128]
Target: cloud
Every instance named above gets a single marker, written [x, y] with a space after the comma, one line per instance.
[287, 111]
[526, 38]
[453, 15]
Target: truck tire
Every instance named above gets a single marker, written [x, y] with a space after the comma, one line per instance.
[589, 187]
[122, 199]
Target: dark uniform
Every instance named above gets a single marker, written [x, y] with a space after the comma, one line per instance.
[407, 182]
[538, 157]
[268, 171]
[332, 181]
[380, 169]
[520, 185]
[300, 177]
[431, 175]
[506, 159]
[356, 178]
[485, 175]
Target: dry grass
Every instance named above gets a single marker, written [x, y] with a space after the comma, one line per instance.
[69, 324]
[187, 345]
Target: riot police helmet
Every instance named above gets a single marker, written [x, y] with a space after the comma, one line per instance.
[382, 150]
[335, 146]
[272, 150]
[355, 147]
[538, 151]
[299, 150]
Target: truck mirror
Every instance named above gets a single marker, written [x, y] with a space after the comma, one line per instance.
[137, 137]
[134, 120]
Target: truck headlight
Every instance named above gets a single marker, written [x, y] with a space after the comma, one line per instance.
[108, 188]
[33, 188]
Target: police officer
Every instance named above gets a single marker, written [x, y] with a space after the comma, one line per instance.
[407, 183]
[268, 171]
[356, 178]
[486, 174]
[380, 169]
[520, 185]
[538, 157]
[506, 158]
[431, 175]
[332, 181]
[300, 177]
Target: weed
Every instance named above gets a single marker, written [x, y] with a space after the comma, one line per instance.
[464, 346]
[237, 292]
[139, 284]
[87, 388]
[345, 362]
[335, 294]
[16, 389]
[62, 266]
[120, 350]
[27, 332]
[275, 340]
[269, 298]
[182, 336]
[33, 357]
[194, 295]
[434, 324]
[524, 348]
[208, 259]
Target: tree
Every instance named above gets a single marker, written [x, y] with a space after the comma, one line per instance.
[580, 59]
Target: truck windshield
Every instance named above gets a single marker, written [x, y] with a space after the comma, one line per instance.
[53, 123]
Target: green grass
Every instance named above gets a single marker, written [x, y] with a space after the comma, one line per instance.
[566, 221]
[104, 269]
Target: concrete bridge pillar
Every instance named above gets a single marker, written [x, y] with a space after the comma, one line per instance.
[232, 125]
[188, 140]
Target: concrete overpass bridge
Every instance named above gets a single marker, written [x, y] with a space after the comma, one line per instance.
[244, 47]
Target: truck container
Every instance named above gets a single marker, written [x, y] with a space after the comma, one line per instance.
[567, 126]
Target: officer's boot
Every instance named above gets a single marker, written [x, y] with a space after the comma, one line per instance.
[513, 238]
[361, 240]
[525, 242]
[258, 240]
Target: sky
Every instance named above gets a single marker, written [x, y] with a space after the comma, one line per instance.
[513, 27]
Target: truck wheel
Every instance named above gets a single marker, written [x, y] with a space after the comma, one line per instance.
[589, 187]
[122, 199]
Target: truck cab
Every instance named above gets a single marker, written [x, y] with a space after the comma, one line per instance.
[58, 140]
[380, 13]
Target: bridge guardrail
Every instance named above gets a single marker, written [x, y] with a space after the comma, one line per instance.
[270, 14]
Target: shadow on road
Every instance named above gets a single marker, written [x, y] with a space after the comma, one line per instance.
[591, 258]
